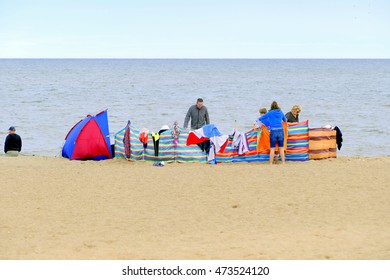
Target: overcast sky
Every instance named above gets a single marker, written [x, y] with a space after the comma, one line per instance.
[194, 29]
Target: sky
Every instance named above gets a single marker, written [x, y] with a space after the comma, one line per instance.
[194, 29]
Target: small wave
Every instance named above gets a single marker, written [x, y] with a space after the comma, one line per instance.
[376, 131]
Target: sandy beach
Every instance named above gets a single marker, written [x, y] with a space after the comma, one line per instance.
[54, 208]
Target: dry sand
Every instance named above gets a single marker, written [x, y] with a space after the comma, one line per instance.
[53, 208]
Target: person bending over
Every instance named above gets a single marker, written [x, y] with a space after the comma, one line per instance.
[275, 117]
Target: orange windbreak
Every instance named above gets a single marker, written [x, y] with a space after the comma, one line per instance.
[264, 143]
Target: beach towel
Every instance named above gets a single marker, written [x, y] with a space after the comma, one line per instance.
[240, 142]
[207, 133]
[203, 134]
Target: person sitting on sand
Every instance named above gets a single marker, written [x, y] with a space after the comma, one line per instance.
[293, 115]
[13, 143]
[275, 117]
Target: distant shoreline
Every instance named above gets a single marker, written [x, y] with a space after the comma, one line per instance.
[183, 58]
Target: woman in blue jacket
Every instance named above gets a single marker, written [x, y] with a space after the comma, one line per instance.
[275, 117]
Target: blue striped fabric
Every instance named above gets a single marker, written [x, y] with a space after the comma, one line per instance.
[298, 141]
[192, 153]
[167, 150]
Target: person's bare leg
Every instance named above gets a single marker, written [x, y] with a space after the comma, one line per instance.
[281, 151]
[271, 155]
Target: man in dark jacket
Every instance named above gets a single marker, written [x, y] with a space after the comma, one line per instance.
[199, 117]
[13, 143]
[198, 114]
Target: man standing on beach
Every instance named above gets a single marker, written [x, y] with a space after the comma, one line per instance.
[199, 117]
[198, 114]
[13, 143]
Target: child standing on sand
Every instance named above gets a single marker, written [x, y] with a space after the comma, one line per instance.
[257, 124]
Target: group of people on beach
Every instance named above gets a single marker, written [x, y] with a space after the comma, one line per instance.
[272, 119]
[199, 116]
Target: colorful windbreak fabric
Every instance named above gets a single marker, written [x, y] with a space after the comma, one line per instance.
[322, 143]
[168, 150]
[297, 147]
[298, 141]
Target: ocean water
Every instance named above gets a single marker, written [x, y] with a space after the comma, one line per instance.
[44, 98]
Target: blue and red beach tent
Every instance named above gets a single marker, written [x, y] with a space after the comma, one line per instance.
[89, 139]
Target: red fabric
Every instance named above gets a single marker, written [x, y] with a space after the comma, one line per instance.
[143, 137]
[222, 149]
[90, 142]
[193, 139]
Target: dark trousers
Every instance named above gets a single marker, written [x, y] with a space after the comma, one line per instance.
[205, 146]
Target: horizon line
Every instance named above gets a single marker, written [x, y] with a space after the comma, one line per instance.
[202, 58]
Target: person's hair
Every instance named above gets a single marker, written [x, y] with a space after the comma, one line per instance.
[263, 111]
[296, 108]
[199, 100]
[275, 106]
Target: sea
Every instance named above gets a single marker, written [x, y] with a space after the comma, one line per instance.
[44, 98]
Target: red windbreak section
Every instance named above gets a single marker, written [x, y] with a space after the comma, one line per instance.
[90, 143]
